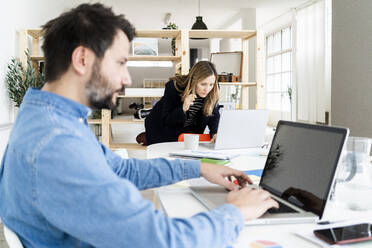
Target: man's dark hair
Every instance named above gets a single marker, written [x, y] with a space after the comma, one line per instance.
[90, 25]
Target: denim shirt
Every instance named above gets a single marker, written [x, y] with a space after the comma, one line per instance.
[59, 187]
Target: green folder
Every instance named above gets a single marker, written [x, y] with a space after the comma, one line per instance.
[215, 161]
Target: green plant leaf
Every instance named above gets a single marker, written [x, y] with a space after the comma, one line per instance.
[19, 79]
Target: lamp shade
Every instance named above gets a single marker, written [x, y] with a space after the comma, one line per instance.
[199, 24]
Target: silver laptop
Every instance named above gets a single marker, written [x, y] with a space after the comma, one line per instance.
[240, 129]
[299, 172]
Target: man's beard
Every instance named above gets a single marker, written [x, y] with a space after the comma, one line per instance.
[99, 90]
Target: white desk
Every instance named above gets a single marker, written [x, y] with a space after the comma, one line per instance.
[177, 201]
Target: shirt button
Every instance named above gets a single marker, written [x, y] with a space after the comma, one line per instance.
[81, 120]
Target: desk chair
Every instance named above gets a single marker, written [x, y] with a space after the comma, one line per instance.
[202, 137]
[12, 238]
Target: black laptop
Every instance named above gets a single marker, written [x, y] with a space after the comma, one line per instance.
[299, 172]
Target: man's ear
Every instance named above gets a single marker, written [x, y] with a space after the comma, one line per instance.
[81, 60]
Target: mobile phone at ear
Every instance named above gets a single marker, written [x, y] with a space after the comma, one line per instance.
[346, 234]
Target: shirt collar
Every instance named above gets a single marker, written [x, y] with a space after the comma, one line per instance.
[64, 104]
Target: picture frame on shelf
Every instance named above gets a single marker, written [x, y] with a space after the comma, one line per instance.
[228, 65]
[145, 46]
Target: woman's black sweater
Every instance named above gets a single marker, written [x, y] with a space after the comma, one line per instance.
[166, 120]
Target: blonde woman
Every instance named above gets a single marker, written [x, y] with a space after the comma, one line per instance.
[189, 105]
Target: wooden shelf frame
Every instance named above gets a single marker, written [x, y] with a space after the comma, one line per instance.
[154, 58]
[228, 34]
[116, 121]
[126, 121]
[107, 132]
[163, 33]
[181, 60]
[95, 121]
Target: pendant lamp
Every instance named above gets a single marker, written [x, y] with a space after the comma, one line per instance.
[199, 24]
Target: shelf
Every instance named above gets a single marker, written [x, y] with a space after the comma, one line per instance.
[233, 34]
[120, 120]
[154, 58]
[34, 33]
[230, 34]
[239, 83]
[126, 121]
[37, 58]
[128, 146]
[142, 92]
[158, 33]
[133, 58]
[94, 121]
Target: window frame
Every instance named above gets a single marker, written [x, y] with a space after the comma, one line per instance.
[281, 51]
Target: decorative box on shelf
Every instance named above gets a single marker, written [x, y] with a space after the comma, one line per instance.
[229, 77]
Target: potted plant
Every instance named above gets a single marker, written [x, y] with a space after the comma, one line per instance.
[18, 79]
[172, 26]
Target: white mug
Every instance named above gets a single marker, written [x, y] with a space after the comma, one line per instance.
[191, 141]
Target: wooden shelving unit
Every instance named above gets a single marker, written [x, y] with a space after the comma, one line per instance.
[181, 60]
[35, 35]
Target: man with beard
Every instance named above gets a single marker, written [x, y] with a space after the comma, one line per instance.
[59, 187]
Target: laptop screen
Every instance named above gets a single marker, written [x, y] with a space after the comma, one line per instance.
[301, 163]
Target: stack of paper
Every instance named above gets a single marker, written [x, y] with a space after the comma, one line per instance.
[202, 154]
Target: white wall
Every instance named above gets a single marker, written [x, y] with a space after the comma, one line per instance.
[18, 14]
[4, 136]
[15, 15]
[6, 51]
[352, 66]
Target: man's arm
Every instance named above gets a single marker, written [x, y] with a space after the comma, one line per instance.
[79, 194]
[151, 173]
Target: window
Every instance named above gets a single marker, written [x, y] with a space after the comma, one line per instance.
[279, 70]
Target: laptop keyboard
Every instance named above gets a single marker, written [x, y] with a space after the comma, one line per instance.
[282, 209]
[208, 145]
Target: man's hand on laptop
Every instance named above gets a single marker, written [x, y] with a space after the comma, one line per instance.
[252, 202]
[218, 173]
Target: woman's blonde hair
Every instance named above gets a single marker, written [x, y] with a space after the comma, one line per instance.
[186, 84]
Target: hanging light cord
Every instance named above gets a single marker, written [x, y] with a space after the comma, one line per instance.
[199, 8]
